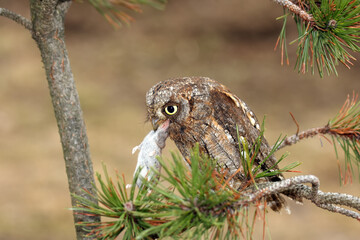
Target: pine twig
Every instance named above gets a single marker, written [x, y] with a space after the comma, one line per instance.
[201, 201]
[328, 32]
[288, 141]
[198, 203]
[292, 7]
[16, 18]
[344, 130]
[347, 122]
[117, 12]
[295, 187]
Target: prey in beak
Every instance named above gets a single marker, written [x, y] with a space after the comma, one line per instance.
[156, 123]
[149, 149]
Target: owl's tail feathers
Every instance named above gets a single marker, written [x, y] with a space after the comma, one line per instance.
[276, 202]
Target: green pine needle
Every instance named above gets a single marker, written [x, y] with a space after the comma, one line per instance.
[345, 130]
[330, 38]
[194, 205]
[117, 12]
[249, 155]
[185, 203]
[282, 40]
[115, 203]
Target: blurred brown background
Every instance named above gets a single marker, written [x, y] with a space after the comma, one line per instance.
[231, 41]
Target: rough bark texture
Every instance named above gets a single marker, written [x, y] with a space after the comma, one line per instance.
[47, 17]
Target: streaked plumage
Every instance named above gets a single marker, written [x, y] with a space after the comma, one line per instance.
[205, 111]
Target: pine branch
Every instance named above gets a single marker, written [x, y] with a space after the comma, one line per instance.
[118, 12]
[288, 141]
[201, 201]
[16, 18]
[328, 31]
[197, 204]
[295, 186]
[295, 9]
[344, 129]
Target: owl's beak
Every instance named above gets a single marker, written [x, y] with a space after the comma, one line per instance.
[155, 123]
[160, 123]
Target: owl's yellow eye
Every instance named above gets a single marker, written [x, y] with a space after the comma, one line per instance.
[171, 109]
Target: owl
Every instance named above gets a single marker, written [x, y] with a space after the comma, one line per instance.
[201, 110]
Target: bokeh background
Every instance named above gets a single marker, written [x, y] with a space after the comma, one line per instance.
[231, 41]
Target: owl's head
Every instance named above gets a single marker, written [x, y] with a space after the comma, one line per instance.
[181, 100]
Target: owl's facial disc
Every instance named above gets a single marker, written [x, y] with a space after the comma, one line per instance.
[170, 100]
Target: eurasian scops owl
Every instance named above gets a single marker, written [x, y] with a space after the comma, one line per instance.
[204, 111]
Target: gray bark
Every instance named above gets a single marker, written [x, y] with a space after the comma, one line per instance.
[47, 17]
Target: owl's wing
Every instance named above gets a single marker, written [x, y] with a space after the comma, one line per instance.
[230, 111]
[238, 119]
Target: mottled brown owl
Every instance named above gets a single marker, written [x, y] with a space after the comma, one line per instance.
[204, 111]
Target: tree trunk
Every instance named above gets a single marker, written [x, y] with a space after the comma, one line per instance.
[47, 17]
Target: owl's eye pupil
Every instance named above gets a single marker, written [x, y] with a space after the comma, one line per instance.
[171, 110]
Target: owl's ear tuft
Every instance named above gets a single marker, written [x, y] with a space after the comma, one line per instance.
[225, 98]
[242, 105]
[233, 98]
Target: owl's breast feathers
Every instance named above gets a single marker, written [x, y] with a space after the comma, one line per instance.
[210, 115]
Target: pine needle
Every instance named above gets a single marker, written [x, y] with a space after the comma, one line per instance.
[117, 12]
[185, 203]
[195, 205]
[345, 130]
[328, 32]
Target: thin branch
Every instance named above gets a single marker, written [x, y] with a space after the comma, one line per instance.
[295, 187]
[336, 209]
[297, 124]
[17, 18]
[303, 135]
[295, 9]
[286, 185]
